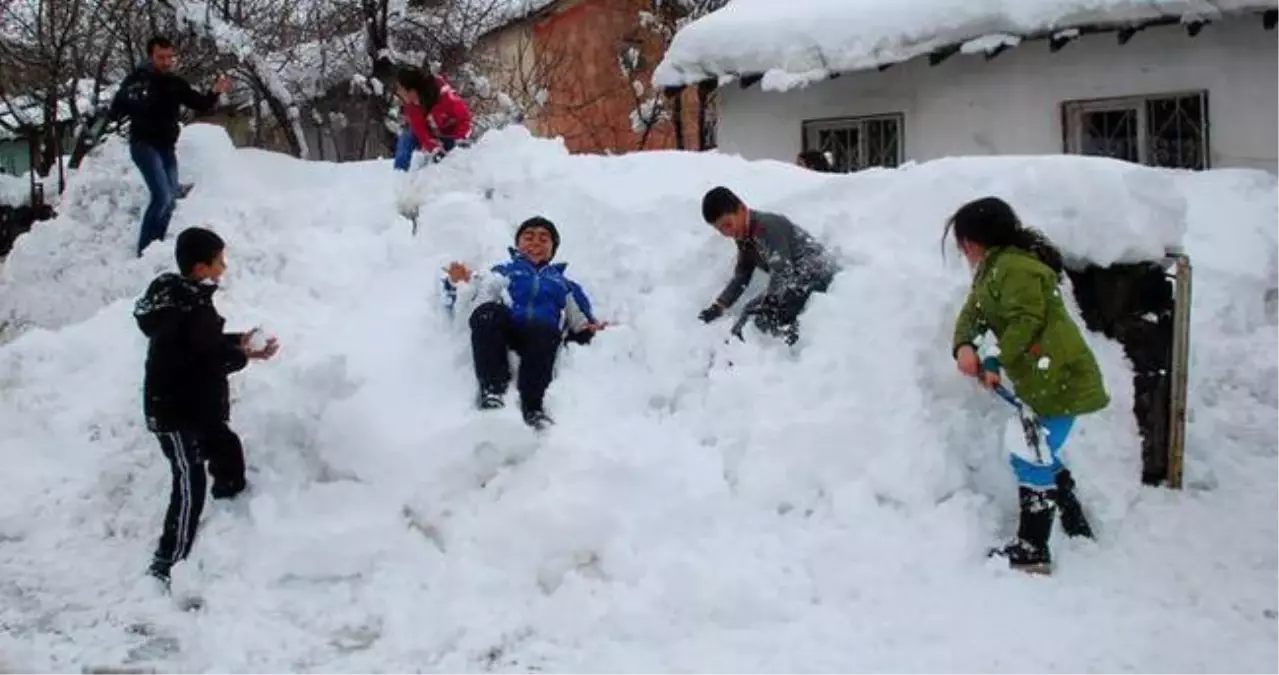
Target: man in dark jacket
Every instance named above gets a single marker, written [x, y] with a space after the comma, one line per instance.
[152, 97]
[186, 399]
[797, 265]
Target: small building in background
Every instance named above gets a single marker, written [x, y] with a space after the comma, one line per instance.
[1184, 85]
[583, 68]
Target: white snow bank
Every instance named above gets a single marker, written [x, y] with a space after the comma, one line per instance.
[69, 267]
[796, 42]
[827, 510]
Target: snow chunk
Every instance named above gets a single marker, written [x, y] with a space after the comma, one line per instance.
[801, 38]
[989, 43]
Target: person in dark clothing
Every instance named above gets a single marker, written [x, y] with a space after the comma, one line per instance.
[797, 265]
[814, 161]
[528, 306]
[186, 400]
[152, 97]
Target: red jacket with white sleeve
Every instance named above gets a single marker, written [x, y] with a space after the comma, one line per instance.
[449, 118]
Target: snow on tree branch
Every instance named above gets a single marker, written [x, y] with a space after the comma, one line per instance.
[235, 41]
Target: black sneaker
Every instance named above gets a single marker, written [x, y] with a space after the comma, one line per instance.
[538, 419]
[228, 491]
[489, 401]
[161, 574]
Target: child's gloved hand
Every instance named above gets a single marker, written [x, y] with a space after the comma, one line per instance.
[711, 313]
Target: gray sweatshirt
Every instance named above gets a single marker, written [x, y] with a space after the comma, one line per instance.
[793, 259]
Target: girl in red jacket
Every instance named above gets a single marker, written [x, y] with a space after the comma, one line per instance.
[437, 116]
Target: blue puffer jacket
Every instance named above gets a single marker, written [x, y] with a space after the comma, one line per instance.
[536, 294]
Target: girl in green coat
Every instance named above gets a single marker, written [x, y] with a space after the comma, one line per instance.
[1016, 295]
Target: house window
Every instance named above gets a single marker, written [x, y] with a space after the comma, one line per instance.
[856, 143]
[1169, 131]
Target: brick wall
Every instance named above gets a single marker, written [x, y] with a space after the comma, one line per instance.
[590, 101]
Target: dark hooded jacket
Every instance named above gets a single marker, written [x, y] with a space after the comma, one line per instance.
[189, 356]
[153, 103]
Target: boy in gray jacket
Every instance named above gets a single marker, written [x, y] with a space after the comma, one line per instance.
[797, 265]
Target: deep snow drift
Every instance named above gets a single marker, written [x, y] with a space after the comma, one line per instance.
[822, 510]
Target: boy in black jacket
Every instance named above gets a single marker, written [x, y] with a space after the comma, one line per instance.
[186, 399]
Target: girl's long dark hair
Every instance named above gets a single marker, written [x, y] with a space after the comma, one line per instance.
[420, 81]
[991, 222]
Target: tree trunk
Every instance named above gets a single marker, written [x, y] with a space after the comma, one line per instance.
[704, 92]
[677, 119]
[278, 111]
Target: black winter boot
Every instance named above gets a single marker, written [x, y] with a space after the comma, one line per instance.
[1029, 551]
[1073, 521]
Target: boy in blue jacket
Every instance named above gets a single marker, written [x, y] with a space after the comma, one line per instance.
[525, 305]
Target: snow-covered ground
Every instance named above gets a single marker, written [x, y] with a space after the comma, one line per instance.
[796, 42]
[825, 510]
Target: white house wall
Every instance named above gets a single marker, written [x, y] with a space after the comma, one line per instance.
[1012, 104]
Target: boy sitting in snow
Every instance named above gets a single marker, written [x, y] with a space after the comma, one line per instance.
[524, 306]
[797, 264]
[186, 399]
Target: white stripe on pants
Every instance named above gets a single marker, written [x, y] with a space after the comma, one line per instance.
[186, 497]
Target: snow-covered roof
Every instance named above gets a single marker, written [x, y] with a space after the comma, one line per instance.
[795, 42]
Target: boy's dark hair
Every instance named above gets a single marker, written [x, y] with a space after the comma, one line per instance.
[991, 222]
[194, 246]
[420, 81]
[718, 202]
[158, 42]
[543, 223]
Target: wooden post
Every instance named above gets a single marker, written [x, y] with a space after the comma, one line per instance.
[1180, 277]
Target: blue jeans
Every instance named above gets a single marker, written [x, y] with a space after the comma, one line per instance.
[159, 169]
[406, 143]
[1040, 476]
[404, 147]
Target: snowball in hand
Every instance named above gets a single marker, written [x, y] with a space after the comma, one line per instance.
[258, 340]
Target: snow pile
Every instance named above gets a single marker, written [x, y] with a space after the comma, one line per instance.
[67, 268]
[797, 42]
[820, 510]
